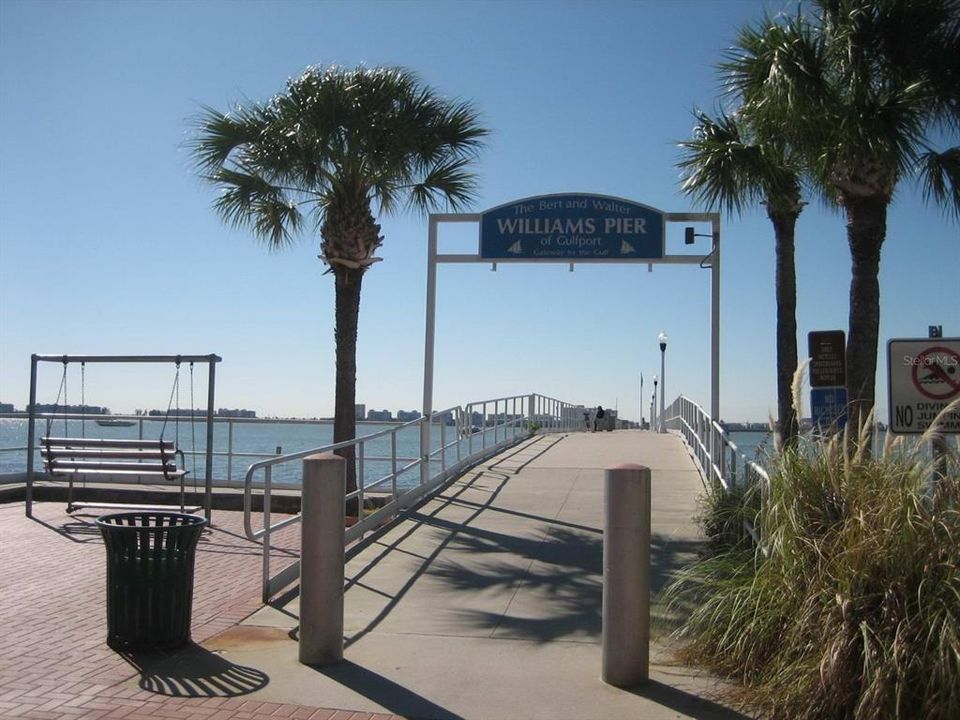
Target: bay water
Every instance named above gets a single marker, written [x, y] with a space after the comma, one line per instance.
[251, 442]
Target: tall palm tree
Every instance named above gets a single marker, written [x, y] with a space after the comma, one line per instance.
[727, 166]
[861, 88]
[336, 147]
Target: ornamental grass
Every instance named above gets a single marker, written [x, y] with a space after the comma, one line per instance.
[849, 605]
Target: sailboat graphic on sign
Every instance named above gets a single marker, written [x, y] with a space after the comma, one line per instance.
[515, 248]
[626, 248]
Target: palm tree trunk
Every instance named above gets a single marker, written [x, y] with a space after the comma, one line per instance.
[347, 290]
[784, 224]
[866, 231]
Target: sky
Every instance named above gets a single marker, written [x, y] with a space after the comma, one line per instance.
[109, 243]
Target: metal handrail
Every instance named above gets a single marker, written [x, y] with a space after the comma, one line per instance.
[289, 457]
[714, 453]
[506, 429]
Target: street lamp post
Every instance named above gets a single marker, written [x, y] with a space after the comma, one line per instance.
[641, 401]
[653, 406]
[662, 337]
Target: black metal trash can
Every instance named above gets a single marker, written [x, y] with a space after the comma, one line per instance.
[150, 559]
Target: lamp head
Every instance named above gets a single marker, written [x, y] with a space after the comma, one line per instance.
[662, 337]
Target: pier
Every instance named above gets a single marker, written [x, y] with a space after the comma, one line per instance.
[484, 601]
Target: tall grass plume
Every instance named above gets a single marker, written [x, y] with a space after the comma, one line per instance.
[850, 605]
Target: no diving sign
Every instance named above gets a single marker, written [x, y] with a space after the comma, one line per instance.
[924, 378]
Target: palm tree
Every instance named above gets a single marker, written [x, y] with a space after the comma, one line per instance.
[861, 88]
[336, 147]
[727, 166]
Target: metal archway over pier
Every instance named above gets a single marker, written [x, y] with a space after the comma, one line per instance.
[572, 229]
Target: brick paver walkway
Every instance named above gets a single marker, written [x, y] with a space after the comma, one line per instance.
[54, 661]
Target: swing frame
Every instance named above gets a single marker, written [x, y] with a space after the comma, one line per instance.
[211, 361]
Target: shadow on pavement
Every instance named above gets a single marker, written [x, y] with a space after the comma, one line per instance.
[383, 691]
[568, 576]
[419, 521]
[684, 703]
[77, 529]
[193, 671]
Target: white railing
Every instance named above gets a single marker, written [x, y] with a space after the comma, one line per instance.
[85, 425]
[481, 423]
[462, 443]
[721, 464]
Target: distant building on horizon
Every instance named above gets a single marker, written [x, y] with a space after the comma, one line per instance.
[359, 411]
[231, 413]
[7, 408]
[54, 408]
[408, 415]
[380, 415]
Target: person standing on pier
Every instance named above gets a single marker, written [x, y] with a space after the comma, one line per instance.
[598, 416]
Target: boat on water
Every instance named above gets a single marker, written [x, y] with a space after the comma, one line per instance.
[109, 422]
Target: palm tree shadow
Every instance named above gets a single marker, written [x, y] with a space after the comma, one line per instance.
[564, 574]
[193, 671]
[564, 580]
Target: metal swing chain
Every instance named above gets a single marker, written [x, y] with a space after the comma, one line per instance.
[83, 409]
[193, 434]
[83, 399]
[174, 390]
[56, 404]
[176, 416]
[66, 429]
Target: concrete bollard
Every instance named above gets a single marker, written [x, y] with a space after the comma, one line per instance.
[626, 576]
[321, 559]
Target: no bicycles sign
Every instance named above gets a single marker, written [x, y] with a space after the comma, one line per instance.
[924, 378]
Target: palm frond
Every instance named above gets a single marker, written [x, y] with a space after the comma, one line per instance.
[449, 183]
[218, 135]
[248, 200]
[726, 166]
[776, 66]
[940, 177]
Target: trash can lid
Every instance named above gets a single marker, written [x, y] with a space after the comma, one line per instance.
[147, 520]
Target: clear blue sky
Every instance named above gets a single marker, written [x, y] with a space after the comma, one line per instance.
[108, 243]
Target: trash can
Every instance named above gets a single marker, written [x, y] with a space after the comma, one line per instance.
[150, 558]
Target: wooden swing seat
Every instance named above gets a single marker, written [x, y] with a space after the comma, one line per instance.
[72, 457]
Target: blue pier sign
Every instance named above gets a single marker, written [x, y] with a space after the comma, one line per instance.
[572, 227]
[828, 408]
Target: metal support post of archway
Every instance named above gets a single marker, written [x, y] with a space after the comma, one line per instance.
[434, 257]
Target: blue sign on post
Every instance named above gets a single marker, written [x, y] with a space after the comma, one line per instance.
[828, 407]
[572, 227]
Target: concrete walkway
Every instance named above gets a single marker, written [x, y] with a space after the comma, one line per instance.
[485, 602]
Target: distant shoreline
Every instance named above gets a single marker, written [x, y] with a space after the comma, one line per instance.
[20, 415]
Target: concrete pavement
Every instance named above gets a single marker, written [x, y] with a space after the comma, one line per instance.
[485, 601]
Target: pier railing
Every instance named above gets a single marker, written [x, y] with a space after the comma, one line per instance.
[84, 425]
[462, 443]
[721, 464]
[479, 424]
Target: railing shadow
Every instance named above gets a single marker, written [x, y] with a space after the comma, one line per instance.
[193, 671]
[419, 521]
[684, 703]
[385, 692]
[515, 461]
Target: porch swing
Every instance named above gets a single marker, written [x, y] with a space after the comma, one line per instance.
[82, 457]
